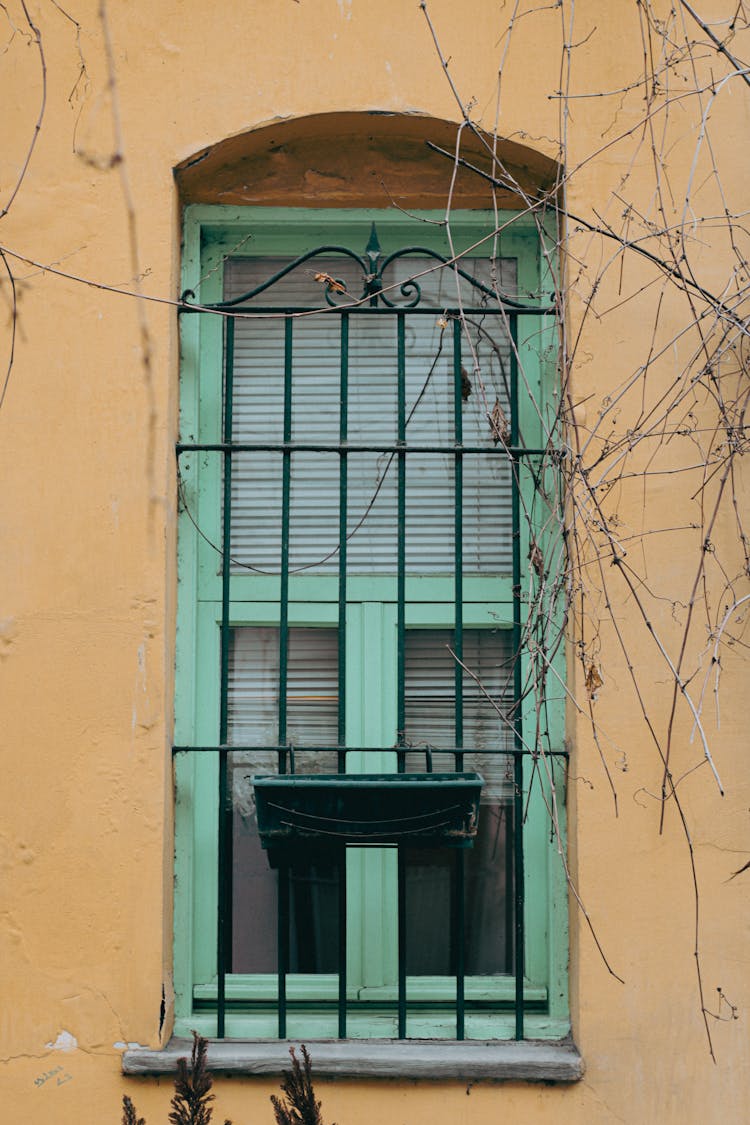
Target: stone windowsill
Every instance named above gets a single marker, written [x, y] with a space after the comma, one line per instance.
[498, 1061]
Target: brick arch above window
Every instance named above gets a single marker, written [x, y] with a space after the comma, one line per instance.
[364, 159]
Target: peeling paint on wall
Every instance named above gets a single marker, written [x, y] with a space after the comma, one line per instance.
[65, 1042]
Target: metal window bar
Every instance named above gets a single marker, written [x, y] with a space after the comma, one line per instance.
[283, 878]
[285, 504]
[284, 751]
[401, 652]
[459, 934]
[401, 530]
[224, 889]
[518, 804]
[341, 756]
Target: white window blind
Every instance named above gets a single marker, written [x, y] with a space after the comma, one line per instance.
[253, 701]
[429, 695]
[430, 702]
[312, 686]
[372, 418]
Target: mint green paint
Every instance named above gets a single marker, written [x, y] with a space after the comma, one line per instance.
[495, 591]
[371, 720]
[210, 234]
[185, 669]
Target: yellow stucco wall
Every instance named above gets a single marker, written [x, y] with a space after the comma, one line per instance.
[88, 527]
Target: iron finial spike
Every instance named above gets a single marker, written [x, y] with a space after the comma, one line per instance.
[373, 246]
[372, 281]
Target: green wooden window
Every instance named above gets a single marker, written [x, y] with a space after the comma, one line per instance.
[361, 429]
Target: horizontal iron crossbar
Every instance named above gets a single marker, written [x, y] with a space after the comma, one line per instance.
[355, 447]
[354, 1005]
[249, 312]
[400, 750]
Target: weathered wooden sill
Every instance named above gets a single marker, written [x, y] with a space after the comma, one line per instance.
[444, 1060]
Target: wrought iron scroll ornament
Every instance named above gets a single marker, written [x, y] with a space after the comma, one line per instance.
[376, 289]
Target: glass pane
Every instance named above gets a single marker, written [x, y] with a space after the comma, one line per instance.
[488, 901]
[430, 698]
[312, 712]
[431, 887]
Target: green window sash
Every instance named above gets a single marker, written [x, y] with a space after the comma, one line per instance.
[372, 611]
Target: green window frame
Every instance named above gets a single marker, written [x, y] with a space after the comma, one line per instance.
[371, 617]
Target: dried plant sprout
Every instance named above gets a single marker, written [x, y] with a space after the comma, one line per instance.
[192, 1098]
[298, 1104]
[645, 438]
[129, 1114]
[191, 1101]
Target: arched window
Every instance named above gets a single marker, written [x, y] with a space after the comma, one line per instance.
[361, 850]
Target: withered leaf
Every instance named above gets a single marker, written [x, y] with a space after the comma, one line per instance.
[499, 424]
[333, 285]
[593, 680]
[537, 559]
[466, 385]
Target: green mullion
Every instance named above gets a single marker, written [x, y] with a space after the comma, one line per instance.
[307, 592]
[224, 918]
[518, 867]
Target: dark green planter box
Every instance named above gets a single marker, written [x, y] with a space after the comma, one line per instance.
[332, 810]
